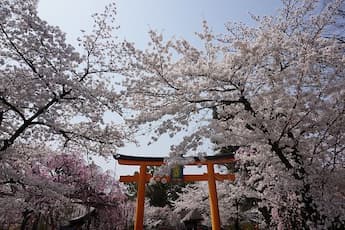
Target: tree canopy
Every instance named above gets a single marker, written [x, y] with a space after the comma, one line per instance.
[276, 91]
[46, 84]
[52, 101]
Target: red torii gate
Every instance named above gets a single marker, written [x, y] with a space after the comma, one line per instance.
[143, 177]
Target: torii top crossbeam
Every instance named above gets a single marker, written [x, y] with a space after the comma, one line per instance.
[157, 161]
[143, 177]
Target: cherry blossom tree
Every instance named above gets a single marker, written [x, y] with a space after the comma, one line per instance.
[92, 188]
[194, 196]
[235, 207]
[49, 91]
[277, 91]
[27, 195]
[54, 187]
[161, 217]
[51, 98]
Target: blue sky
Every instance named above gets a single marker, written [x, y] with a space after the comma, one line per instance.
[179, 18]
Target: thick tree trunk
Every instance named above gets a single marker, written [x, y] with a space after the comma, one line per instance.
[26, 217]
[266, 213]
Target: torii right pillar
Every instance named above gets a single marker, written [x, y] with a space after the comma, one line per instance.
[212, 190]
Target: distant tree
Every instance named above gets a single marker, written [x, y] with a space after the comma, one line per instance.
[27, 195]
[160, 196]
[55, 187]
[234, 207]
[279, 93]
[161, 193]
[160, 217]
[92, 188]
[158, 192]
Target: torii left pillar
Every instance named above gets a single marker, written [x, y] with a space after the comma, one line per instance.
[139, 212]
[142, 178]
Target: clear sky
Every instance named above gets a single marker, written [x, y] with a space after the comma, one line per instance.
[172, 17]
[179, 18]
